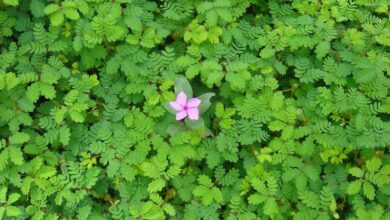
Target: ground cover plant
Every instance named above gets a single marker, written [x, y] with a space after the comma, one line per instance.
[190, 109]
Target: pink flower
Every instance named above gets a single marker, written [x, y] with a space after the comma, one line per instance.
[185, 107]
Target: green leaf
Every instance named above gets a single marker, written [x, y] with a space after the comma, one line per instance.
[168, 107]
[33, 92]
[198, 34]
[3, 159]
[37, 8]
[134, 23]
[84, 212]
[77, 43]
[59, 115]
[267, 52]
[214, 34]
[71, 13]
[374, 164]
[156, 185]
[207, 198]
[3, 194]
[46, 172]
[276, 125]
[219, 110]
[217, 195]
[49, 76]
[26, 104]
[69, 4]
[175, 128]
[113, 168]
[13, 198]
[256, 199]
[182, 85]
[193, 71]
[57, 18]
[13, 211]
[322, 49]
[310, 199]
[26, 185]
[205, 180]
[271, 208]
[194, 124]
[205, 102]
[16, 155]
[237, 81]
[47, 90]
[169, 209]
[127, 172]
[76, 116]
[277, 101]
[64, 135]
[354, 187]
[287, 132]
[11, 2]
[213, 78]
[369, 190]
[50, 9]
[19, 138]
[356, 172]
[11, 80]
[200, 191]
[2, 211]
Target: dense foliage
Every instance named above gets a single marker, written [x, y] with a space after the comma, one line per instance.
[298, 126]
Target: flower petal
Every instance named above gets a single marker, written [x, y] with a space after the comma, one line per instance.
[176, 106]
[193, 113]
[181, 98]
[180, 115]
[193, 103]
